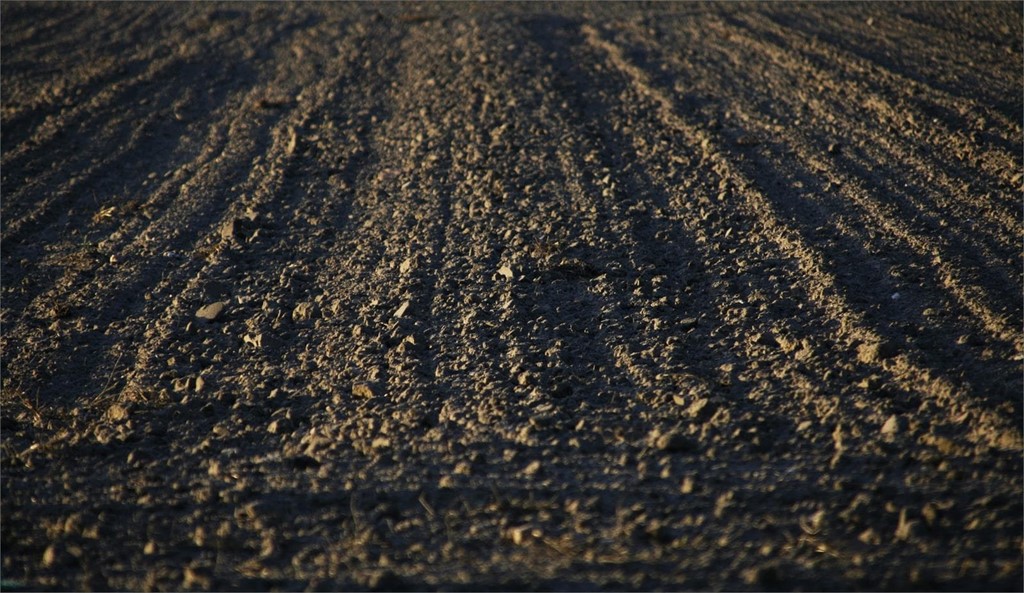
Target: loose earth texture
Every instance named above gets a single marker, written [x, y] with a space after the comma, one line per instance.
[502, 296]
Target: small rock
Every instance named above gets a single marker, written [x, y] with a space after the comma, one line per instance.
[212, 311]
[763, 339]
[506, 272]
[139, 457]
[687, 485]
[293, 141]
[674, 442]
[117, 413]
[51, 556]
[401, 310]
[362, 390]
[701, 409]
[869, 536]
[254, 340]
[522, 534]
[687, 323]
[905, 527]
[230, 229]
[532, 468]
[279, 426]
[199, 384]
[891, 427]
[767, 575]
[930, 512]
[197, 577]
[874, 352]
[302, 312]
[834, 147]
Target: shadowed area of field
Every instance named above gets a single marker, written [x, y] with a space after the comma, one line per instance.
[663, 296]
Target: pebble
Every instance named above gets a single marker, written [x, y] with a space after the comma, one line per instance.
[116, 413]
[362, 390]
[674, 442]
[873, 352]
[523, 533]
[891, 426]
[302, 312]
[51, 556]
[212, 311]
[279, 426]
[406, 265]
[762, 576]
[701, 409]
[197, 577]
[229, 230]
[532, 468]
[506, 272]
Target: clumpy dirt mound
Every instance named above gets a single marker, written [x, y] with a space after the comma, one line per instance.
[499, 296]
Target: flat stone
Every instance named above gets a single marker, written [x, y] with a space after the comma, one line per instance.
[212, 311]
[891, 426]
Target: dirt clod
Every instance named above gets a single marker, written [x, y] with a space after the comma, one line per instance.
[212, 311]
[364, 390]
[874, 352]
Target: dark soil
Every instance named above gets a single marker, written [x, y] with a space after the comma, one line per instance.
[500, 296]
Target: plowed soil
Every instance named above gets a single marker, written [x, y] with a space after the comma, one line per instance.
[501, 296]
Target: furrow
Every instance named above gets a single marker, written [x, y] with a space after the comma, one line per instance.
[873, 72]
[822, 283]
[944, 171]
[930, 253]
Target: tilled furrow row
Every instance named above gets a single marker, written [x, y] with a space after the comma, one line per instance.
[823, 284]
[932, 252]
